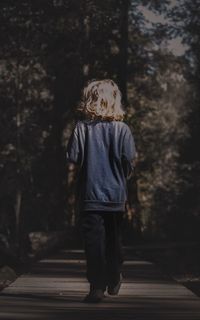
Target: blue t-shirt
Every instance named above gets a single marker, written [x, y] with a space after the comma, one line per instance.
[105, 151]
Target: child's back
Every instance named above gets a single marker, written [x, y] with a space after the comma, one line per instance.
[104, 150]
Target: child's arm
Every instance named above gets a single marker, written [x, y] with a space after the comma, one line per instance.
[73, 158]
[73, 152]
[129, 154]
[73, 155]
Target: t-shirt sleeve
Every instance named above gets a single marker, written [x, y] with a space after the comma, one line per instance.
[73, 152]
[128, 153]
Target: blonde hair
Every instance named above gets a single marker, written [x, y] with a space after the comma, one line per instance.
[102, 99]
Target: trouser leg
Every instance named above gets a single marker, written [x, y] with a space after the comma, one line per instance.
[114, 253]
[94, 241]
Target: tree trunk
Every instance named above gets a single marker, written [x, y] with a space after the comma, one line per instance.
[123, 56]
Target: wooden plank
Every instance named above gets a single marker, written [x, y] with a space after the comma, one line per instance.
[55, 287]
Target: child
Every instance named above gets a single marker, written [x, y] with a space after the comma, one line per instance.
[103, 148]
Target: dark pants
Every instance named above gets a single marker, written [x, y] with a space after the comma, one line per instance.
[103, 247]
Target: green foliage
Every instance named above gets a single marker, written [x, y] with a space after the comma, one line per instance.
[162, 112]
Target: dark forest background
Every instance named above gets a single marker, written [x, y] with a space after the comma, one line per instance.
[49, 49]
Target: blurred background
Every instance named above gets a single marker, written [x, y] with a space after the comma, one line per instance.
[49, 49]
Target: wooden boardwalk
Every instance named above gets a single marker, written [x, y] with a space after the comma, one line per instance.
[55, 287]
